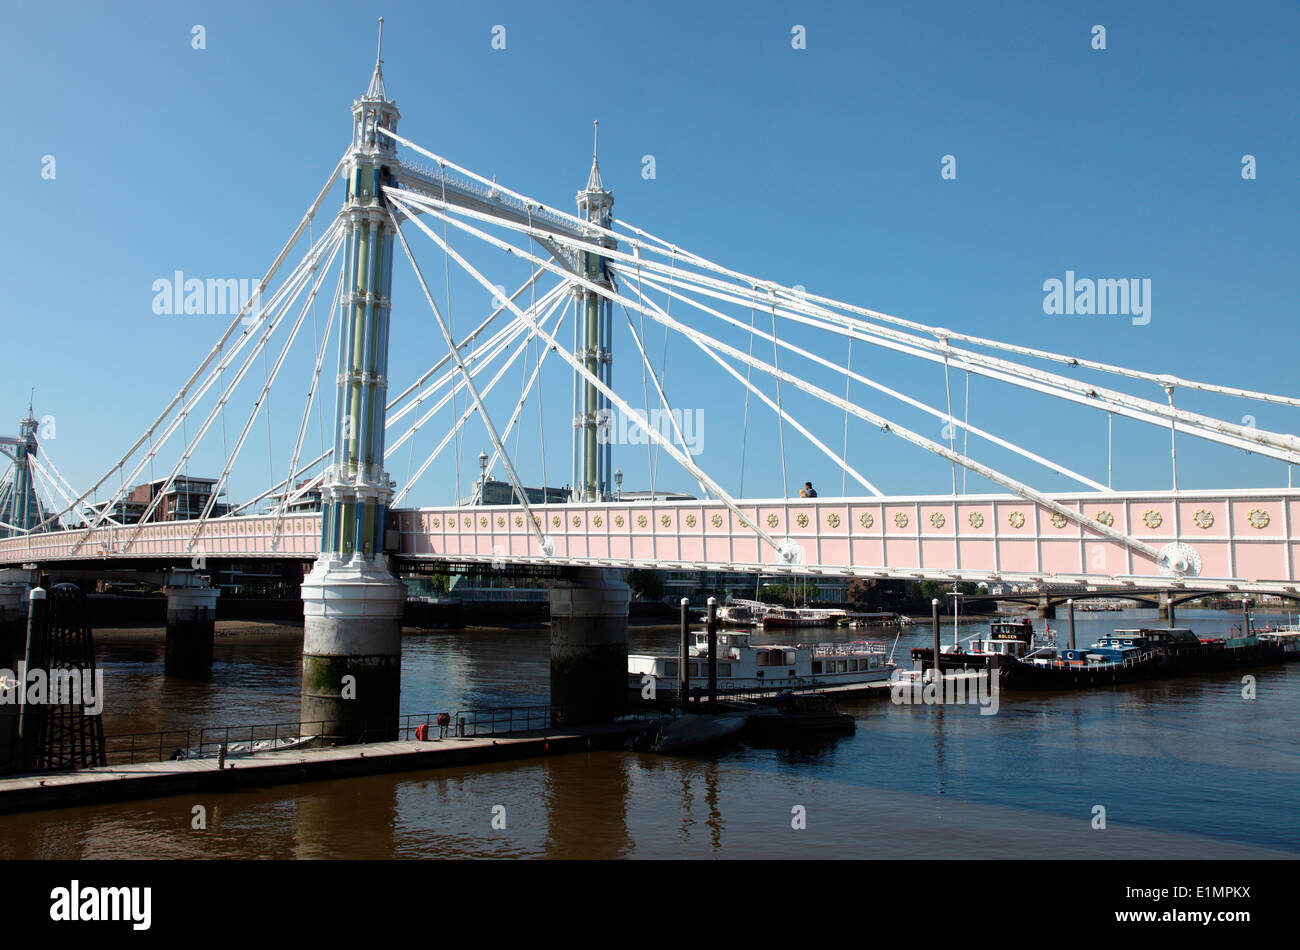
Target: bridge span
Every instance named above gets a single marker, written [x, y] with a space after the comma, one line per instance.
[1241, 540]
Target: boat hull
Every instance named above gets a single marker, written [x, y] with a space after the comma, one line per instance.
[1017, 674]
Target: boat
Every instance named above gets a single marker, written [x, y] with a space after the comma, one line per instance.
[233, 750]
[741, 613]
[880, 619]
[792, 714]
[786, 617]
[1014, 638]
[744, 666]
[1288, 638]
[1131, 655]
[692, 730]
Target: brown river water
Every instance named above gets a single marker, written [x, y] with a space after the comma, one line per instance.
[1182, 769]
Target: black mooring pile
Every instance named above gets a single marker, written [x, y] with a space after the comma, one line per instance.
[59, 735]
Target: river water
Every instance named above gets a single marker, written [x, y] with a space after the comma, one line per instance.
[1182, 769]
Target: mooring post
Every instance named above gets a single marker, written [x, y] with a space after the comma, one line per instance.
[37, 610]
[713, 654]
[1070, 604]
[683, 657]
[934, 609]
[1245, 616]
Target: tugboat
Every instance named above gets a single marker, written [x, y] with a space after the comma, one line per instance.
[1014, 638]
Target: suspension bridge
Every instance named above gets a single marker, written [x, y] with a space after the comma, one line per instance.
[788, 351]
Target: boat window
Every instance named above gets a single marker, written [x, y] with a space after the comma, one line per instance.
[789, 657]
[817, 666]
[724, 669]
[695, 669]
[671, 667]
[842, 666]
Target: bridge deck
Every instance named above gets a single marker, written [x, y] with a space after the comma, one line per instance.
[1242, 538]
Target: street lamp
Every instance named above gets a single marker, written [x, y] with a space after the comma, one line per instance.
[618, 483]
[482, 478]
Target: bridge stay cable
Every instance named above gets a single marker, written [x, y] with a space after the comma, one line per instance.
[300, 280]
[840, 460]
[280, 302]
[451, 346]
[664, 248]
[1019, 488]
[1225, 432]
[497, 344]
[528, 388]
[262, 397]
[320, 344]
[470, 409]
[902, 397]
[230, 330]
[800, 310]
[681, 458]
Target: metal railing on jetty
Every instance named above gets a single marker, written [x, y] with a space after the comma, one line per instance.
[241, 741]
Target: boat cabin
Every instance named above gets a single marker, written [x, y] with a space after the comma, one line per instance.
[1149, 638]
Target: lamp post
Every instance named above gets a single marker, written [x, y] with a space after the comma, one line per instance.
[482, 477]
[618, 484]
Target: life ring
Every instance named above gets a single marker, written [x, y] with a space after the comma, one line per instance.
[422, 732]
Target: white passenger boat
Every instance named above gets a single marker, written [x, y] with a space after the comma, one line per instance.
[738, 612]
[741, 665]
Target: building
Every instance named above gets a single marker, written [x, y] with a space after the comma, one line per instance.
[496, 492]
[183, 500]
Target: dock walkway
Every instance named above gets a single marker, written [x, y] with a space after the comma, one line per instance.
[155, 779]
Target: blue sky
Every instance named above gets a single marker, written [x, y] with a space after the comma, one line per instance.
[817, 166]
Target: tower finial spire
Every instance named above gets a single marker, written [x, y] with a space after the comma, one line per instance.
[376, 90]
[593, 180]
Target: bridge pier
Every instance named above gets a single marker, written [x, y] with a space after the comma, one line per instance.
[589, 609]
[191, 626]
[352, 649]
[1046, 609]
[1166, 607]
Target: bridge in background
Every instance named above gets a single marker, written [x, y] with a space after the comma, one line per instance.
[596, 267]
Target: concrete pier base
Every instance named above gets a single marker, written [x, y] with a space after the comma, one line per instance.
[589, 646]
[1046, 609]
[191, 625]
[352, 649]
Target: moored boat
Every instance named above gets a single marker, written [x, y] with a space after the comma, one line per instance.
[743, 665]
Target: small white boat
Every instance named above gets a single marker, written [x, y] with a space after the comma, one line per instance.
[234, 750]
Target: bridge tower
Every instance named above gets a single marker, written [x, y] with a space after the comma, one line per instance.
[593, 337]
[589, 606]
[19, 504]
[352, 603]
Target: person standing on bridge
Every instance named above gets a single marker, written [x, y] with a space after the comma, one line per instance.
[807, 491]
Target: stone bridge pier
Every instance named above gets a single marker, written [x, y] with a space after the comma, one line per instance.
[191, 625]
[589, 609]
